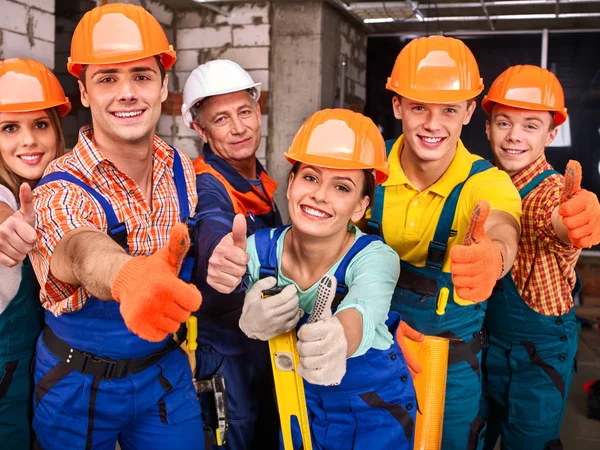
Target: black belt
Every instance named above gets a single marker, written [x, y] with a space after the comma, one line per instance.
[106, 368]
[466, 351]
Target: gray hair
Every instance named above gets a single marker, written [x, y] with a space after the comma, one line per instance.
[196, 108]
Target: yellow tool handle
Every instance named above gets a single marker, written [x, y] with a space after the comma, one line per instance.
[192, 333]
[442, 301]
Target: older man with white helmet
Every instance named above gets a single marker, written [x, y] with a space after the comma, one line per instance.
[221, 104]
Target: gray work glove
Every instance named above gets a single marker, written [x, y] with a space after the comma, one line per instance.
[322, 347]
[265, 318]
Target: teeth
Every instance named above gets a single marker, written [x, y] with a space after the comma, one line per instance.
[30, 157]
[128, 114]
[431, 140]
[514, 152]
[313, 212]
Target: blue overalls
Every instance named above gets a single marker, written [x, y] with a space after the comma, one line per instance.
[528, 367]
[374, 407]
[416, 298]
[20, 325]
[96, 382]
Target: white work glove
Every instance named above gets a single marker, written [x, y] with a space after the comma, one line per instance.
[322, 347]
[265, 318]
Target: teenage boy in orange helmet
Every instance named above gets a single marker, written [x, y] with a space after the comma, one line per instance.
[529, 364]
[110, 245]
[423, 210]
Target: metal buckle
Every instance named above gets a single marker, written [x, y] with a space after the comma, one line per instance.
[436, 254]
[119, 234]
[98, 366]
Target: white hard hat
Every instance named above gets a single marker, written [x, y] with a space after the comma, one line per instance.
[220, 76]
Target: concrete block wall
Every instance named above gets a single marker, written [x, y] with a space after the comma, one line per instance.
[27, 30]
[242, 35]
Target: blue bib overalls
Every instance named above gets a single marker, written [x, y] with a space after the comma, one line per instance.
[416, 298]
[96, 382]
[374, 407]
[527, 368]
[20, 325]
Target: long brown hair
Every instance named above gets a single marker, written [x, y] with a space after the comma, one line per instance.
[13, 181]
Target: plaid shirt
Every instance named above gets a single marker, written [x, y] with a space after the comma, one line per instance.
[61, 207]
[544, 268]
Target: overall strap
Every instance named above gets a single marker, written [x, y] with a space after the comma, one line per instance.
[340, 273]
[266, 250]
[536, 182]
[374, 224]
[438, 246]
[187, 266]
[115, 229]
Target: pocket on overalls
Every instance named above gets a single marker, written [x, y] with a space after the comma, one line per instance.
[537, 359]
[179, 403]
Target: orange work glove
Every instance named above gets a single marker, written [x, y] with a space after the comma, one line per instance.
[477, 264]
[405, 331]
[579, 209]
[154, 302]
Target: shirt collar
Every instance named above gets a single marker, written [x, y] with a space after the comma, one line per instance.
[237, 181]
[456, 173]
[521, 179]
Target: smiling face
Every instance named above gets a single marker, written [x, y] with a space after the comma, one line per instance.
[27, 143]
[518, 136]
[431, 131]
[125, 99]
[230, 124]
[323, 201]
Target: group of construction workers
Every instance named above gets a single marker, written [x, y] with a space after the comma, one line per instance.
[125, 239]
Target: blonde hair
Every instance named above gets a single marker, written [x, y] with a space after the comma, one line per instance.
[13, 181]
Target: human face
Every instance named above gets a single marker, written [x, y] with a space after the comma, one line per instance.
[125, 99]
[518, 136]
[323, 201]
[27, 143]
[230, 124]
[431, 131]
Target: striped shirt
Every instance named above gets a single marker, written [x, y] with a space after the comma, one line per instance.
[544, 269]
[61, 207]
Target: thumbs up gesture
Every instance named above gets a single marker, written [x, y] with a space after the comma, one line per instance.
[579, 209]
[227, 264]
[154, 302]
[477, 264]
[17, 233]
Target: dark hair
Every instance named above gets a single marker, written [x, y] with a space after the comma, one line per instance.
[368, 185]
[161, 68]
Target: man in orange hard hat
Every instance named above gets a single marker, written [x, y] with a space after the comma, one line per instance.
[529, 364]
[111, 244]
[450, 262]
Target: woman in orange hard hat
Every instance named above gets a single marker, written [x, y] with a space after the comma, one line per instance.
[359, 390]
[32, 104]
[449, 262]
[530, 361]
[108, 364]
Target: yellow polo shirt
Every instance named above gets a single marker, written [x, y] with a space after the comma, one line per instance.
[410, 216]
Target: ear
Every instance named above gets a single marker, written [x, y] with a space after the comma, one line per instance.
[83, 94]
[470, 111]
[397, 107]
[259, 113]
[551, 136]
[289, 186]
[487, 128]
[361, 209]
[164, 89]
[199, 130]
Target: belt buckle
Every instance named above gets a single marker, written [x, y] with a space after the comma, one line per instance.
[98, 366]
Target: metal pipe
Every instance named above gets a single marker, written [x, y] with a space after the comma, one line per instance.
[416, 34]
[557, 7]
[481, 18]
[343, 63]
[378, 5]
[342, 5]
[487, 14]
[544, 63]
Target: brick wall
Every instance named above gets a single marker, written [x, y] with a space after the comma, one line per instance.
[242, 35]
[27, 30]
[588, 268]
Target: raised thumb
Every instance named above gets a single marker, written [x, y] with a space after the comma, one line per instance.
[476, 231]
[26, 201]
[572, 180]
[238, 232]
[177, 247]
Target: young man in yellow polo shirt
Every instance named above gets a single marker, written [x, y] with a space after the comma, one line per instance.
[529, 364]
[423, 212]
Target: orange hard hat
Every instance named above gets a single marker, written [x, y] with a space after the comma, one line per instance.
[528, 87]
[27, 85]
[116, 33]
[436, 69]
[340, 139]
